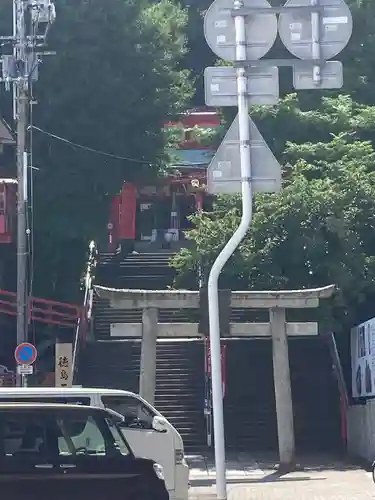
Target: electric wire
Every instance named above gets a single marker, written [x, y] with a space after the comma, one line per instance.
[95, 151]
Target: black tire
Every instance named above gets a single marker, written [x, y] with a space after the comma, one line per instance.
[373, 472]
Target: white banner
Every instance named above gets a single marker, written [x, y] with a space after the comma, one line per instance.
[63, 365]
[362, 348]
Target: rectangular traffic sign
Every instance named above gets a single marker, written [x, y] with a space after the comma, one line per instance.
[331, 75]
[25, 369]
[224, 171]
[220, 84]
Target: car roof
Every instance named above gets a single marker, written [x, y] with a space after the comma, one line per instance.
[71, 391]
[49, 406]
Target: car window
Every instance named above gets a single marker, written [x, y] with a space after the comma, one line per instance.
[117, 436]
[80, 434]
[133, 410]
[22, 433]
[47, 434]
[85, 434]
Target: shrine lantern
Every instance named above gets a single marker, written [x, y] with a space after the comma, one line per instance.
[8, 207]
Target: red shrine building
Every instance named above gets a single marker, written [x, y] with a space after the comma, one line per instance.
[8, 206]
[8, 185]
[151, 216]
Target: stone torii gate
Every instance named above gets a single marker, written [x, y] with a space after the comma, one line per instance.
[150, 301]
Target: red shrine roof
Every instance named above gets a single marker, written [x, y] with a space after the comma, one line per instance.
[202, 117]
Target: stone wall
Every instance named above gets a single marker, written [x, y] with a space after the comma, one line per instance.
[361, 430]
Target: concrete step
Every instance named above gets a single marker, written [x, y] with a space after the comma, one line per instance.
[173, 362]
[184, 366]
[172, 396]
[185, 415]
[192, 405]
[176, 369]
[136, 262]
[184, 394]
[169, 389]
[177, 382]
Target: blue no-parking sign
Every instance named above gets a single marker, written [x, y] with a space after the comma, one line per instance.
[25, 354]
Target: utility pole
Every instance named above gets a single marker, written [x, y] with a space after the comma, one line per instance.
[21, 96]
[31, 22]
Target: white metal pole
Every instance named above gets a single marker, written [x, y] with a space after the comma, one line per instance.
[230, 247]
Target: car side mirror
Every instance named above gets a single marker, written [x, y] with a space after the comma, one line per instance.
[159, 424]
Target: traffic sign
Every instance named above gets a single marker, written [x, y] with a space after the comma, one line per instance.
[219, 30]
[224, 171]
[25, 369]
[331, 76]
[336, 26]
[25, 354]
[220, 84]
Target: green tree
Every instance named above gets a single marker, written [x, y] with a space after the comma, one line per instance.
[116, 76]
[199, 55]
[319, 229]
[359, 75]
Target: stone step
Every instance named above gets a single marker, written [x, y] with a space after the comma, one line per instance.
[173, 368]
[173, 363]
[131, 256]
[120, 266]
[164, 388]
[183, 401]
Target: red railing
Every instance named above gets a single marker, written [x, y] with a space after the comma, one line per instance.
[45, 311]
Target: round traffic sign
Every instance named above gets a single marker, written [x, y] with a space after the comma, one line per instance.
[219, 31]
[336, 26]
[25, 354]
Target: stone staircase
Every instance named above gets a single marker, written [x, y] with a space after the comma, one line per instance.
[147, 271]
[180, 364]
[249, 404]
[180, 389]
[179, 380]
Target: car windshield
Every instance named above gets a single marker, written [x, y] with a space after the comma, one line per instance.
[50, 433]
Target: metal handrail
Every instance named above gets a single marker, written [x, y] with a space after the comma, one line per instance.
[85, 317]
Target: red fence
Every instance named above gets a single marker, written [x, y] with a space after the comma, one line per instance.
[42, 310]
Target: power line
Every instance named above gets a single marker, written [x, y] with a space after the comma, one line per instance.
[92, 150]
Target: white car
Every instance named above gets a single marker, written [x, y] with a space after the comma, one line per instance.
[149, 434]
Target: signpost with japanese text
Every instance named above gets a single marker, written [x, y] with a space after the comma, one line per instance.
[63, 365]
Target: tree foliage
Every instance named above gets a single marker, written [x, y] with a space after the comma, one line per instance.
[116, 76]
[320, 228]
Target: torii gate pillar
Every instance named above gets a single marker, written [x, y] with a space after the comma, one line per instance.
[283, 388]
